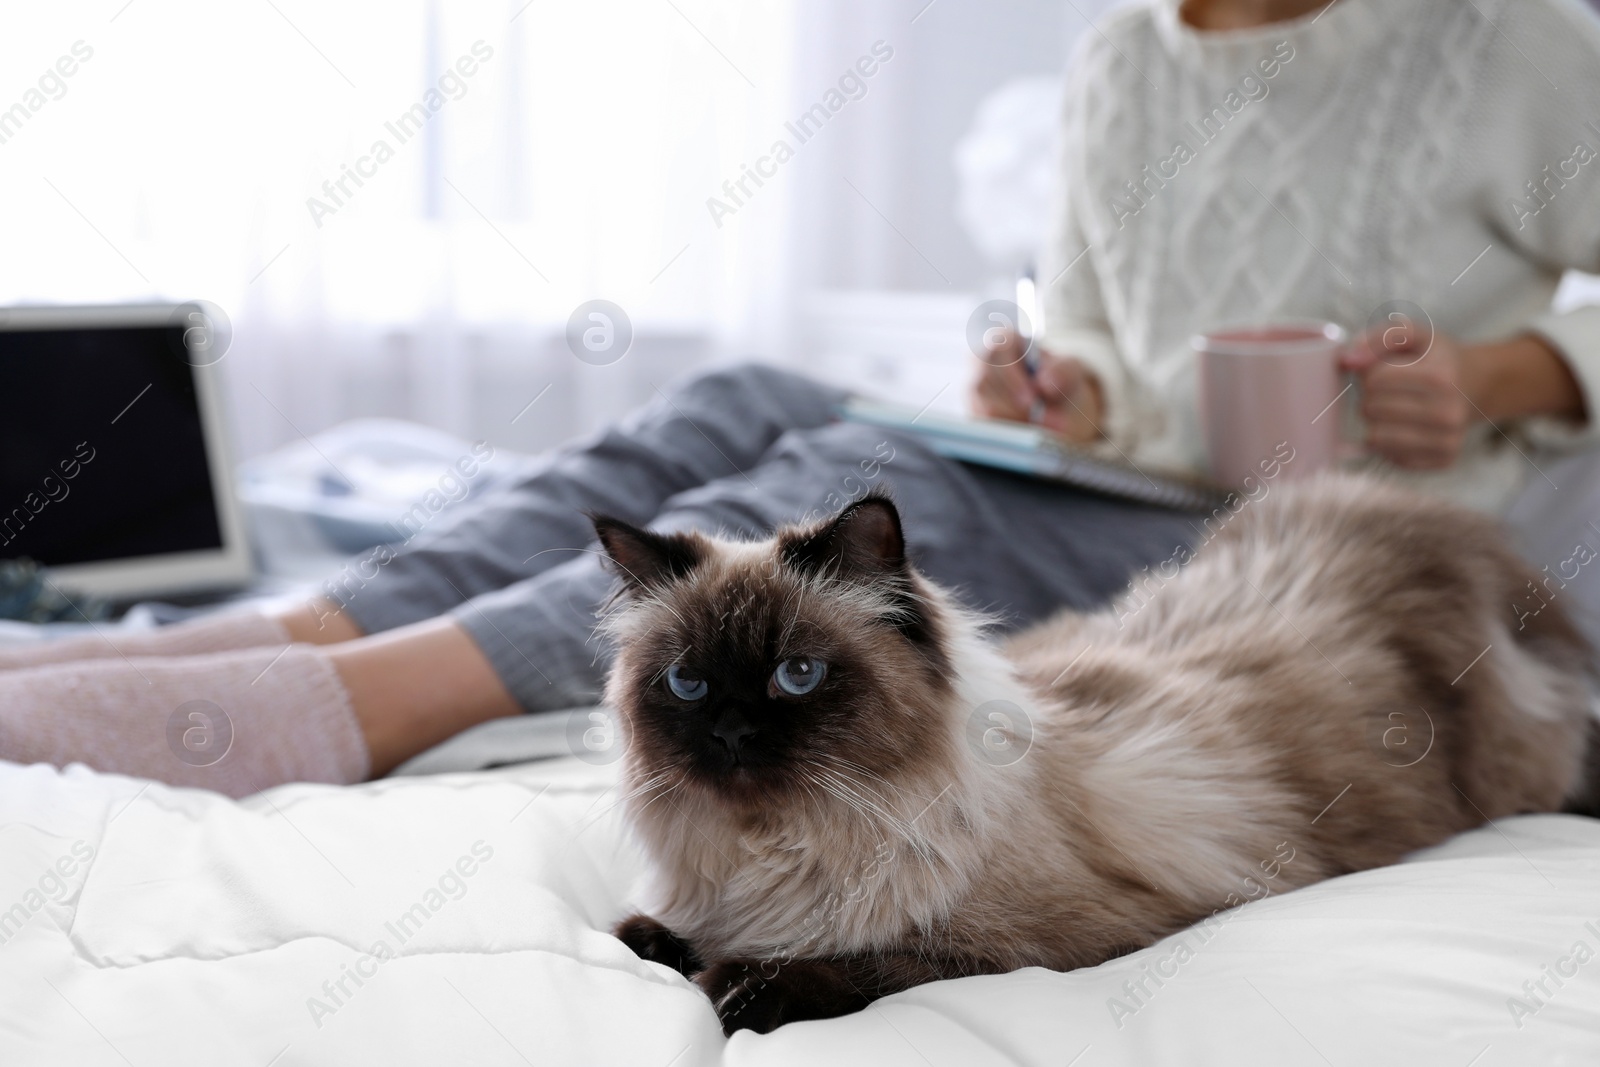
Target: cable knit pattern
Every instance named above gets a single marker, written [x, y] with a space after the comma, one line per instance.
[1319, 168]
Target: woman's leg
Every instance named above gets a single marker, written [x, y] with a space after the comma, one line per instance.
[296, 708]
[238, 722]
[1017, 548]
[414, 687]
[710, 426]
[705, 427]
[1012, 546]
[213, 633]
[234, 722]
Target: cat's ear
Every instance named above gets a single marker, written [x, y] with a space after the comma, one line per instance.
[644, 559]
[864, 540]
[865, 544]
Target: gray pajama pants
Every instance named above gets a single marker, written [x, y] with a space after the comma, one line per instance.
[741, 451]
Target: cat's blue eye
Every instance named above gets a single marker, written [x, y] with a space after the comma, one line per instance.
[799, 675]
[684, 685]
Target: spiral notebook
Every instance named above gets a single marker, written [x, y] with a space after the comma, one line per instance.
[1035, 452]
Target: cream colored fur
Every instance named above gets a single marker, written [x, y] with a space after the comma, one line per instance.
[1266, 703]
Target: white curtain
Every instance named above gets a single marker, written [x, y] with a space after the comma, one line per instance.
[399, 204]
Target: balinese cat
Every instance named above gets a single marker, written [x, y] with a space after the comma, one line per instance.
[847, 789]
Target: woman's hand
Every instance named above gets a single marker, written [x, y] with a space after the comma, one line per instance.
[1065, 396]
[1423, 389]
[1413, 397]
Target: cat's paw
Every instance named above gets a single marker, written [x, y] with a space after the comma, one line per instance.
[652, 941]
[762, 995]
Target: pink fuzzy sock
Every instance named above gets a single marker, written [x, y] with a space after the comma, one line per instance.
[214, 633]
[234, 722]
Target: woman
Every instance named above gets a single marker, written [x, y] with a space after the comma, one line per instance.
[1337, 157]
[1249, 160]
[1434, 164]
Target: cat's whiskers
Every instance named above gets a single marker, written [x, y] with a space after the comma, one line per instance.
[640, 810]
[852, 766]
[793, 598]
[613, 618]
[655, 781]
[843, 786]
[668, 661]
[904, 829]
[831, 788]
[861, 797]
[854, 773]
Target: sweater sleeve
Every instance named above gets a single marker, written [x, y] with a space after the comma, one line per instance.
[1076, 321]
[1546, 185]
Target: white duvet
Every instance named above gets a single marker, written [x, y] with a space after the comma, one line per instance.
[460, 920]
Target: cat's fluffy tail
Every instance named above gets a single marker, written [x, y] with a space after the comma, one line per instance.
[1551, 635]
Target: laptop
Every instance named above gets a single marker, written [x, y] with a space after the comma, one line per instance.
[115, 473]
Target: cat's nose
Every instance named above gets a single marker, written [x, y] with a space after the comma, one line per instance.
[732, 730]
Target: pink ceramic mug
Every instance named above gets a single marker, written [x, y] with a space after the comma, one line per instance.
[1268, 393]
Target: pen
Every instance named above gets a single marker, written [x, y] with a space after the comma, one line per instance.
[1027, 304]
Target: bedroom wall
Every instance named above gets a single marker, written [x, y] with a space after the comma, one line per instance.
[897, 151]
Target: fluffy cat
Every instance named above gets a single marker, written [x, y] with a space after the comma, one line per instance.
[846, 789]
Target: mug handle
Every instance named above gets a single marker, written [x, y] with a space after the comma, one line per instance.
[1348, 450]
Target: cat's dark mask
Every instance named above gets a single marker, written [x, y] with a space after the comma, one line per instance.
[742, 665]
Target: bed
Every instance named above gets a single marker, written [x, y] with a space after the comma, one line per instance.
[144, 925]
[461, 918]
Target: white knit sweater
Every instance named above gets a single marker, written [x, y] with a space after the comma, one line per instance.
[1441, 152]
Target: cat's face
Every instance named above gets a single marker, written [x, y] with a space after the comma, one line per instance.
[753, 669]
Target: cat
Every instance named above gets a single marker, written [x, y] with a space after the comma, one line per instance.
[847, 788]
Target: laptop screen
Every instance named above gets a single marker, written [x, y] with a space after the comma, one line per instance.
[102, 451]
